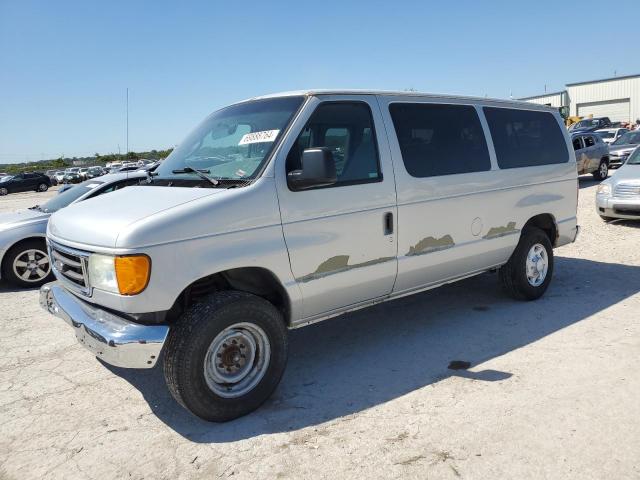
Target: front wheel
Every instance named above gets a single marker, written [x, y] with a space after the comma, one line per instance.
[528, 272]
[226, 355]
[3, 191]
[602, 172]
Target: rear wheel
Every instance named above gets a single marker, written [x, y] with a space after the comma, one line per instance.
[3, 191]
[528, 272]
[226, 355]
[43, 187]
[27, 264]
[603, 170]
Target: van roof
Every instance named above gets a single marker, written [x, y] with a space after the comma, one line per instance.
[312, 92]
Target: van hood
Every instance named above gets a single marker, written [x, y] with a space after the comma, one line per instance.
[99, 221]
[21, 218]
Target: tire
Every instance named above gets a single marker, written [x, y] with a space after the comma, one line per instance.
[191, 345]
[606, 219]
[603, 170]
[3, 192]
[14, 272]
[513, 275]
[43, 187]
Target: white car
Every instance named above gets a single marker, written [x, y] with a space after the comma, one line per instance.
[24, 260]
[619, 195]
[285, 210]
[610, 135]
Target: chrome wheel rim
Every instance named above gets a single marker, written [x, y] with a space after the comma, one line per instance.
[237, 360]
[31, 265]
[604, 170]
[537, 265]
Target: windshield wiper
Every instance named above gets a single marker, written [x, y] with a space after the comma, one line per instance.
[202, 173]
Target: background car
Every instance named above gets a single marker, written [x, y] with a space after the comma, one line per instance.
[83, 173]
[610, 135]
[23, 182]
[620, 150]
[619, 196]
[590, 124]
[59, 175]
[24, 259]
[71, 177]
[94, 172]
[592, 155]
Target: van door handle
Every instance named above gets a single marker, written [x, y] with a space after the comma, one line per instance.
[388, 223]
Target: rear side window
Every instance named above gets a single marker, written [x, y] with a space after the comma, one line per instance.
[589, 141]
[525, 138]
[439, 139]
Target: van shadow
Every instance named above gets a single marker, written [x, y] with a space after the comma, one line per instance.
[366, 358]
[586, 181]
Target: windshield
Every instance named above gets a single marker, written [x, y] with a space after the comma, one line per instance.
[69, 196]
[585, 124]
[628, 138]
[5, 179]
[634, 158]
[232, 143]
[606, 134]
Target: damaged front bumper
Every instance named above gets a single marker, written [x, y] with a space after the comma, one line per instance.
[112, 338]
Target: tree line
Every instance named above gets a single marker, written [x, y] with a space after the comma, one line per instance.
[63, 162]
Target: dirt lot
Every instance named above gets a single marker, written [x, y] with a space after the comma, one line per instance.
[552, 392]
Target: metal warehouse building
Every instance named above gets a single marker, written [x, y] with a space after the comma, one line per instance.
[617, 98]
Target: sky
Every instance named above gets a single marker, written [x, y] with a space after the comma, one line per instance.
[65, 65]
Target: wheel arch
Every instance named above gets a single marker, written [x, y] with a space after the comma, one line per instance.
[545, 222]
[258, 281]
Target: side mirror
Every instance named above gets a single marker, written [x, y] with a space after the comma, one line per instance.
[318, 170]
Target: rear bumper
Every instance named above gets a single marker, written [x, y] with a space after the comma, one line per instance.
[114, 339]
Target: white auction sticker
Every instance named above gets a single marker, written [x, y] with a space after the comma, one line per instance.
[259, 137]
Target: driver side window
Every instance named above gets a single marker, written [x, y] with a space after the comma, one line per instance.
[346, 129]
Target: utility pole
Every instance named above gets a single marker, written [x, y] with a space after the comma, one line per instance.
[127, 122]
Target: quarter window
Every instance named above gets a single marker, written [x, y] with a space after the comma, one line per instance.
[347, 130]
[589, 141]
[525, 138]
[439, 139]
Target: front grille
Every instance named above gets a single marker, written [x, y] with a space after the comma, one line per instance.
[627, 191]
[70, 265]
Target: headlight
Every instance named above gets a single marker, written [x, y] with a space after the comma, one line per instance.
[603, 189]
[126, 275]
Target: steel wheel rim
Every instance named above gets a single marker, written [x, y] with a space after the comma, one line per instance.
[31, 265]
[42, 187]
[537, 265]
[237, 359]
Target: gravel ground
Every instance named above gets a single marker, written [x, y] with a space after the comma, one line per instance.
[552, 391]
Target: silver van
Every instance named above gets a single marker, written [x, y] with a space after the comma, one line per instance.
[289, 209]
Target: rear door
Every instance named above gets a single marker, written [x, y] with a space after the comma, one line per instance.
[582, 159]
[443, 167]
[341, 239]
[592, 151]
[20, 183]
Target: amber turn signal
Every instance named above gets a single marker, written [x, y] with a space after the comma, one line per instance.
[132, 272]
